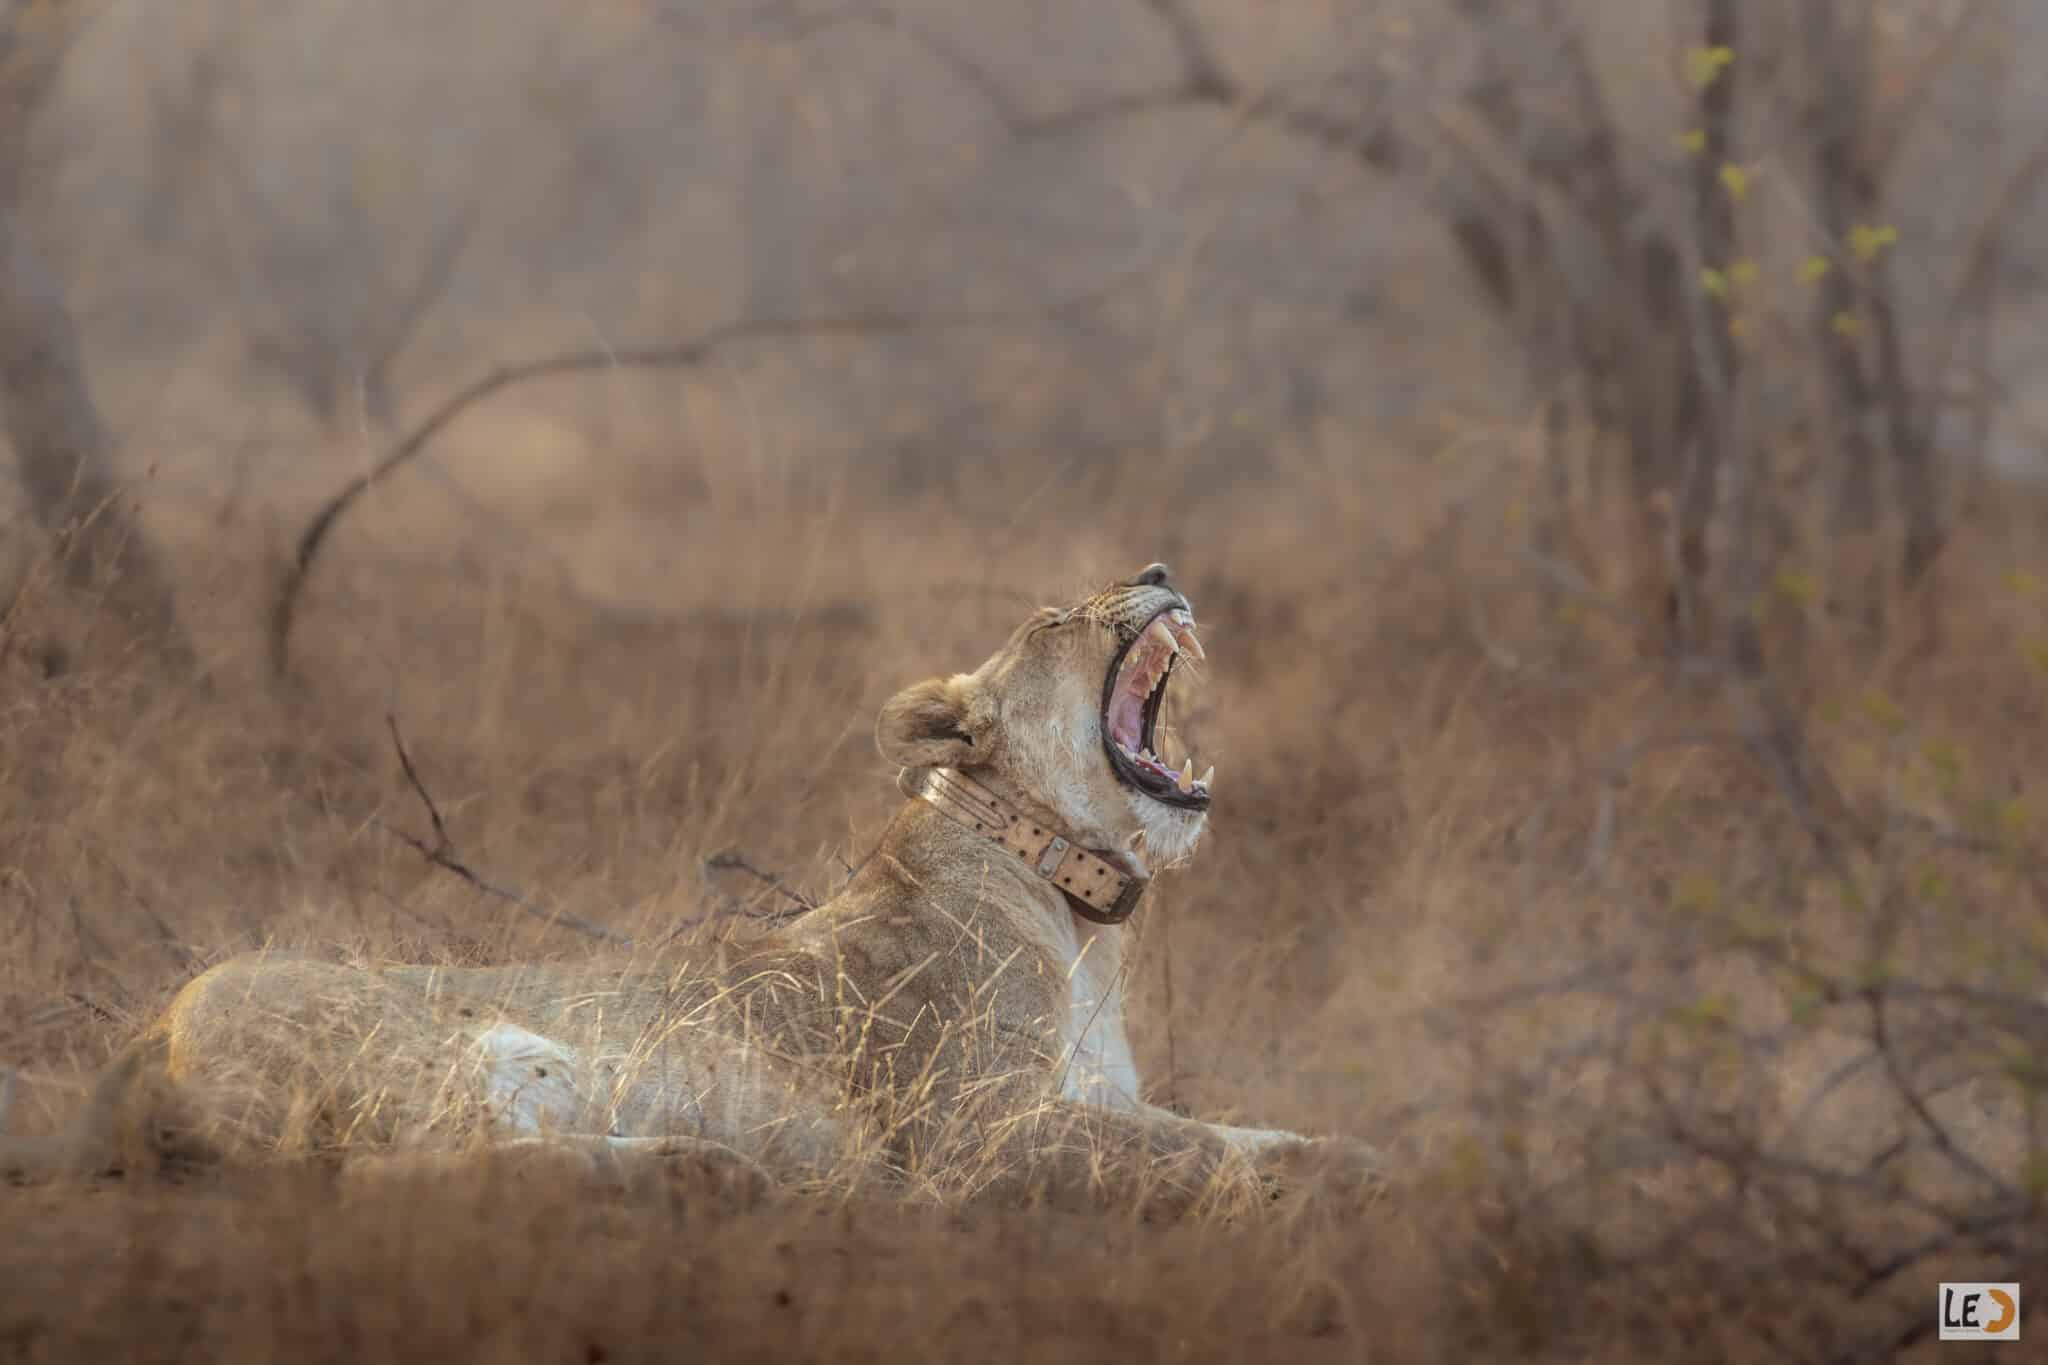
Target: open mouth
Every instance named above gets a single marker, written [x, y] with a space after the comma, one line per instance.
[1133, 695]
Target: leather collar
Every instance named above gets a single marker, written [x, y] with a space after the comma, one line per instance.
[1096, 889]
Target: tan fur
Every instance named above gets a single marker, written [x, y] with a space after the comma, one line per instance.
[945, 1018]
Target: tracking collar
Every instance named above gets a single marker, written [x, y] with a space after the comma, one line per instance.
[1096, 889]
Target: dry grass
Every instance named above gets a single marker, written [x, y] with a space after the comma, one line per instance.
[1393, 932]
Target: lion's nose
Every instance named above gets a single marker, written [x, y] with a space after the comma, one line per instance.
[1155, 576]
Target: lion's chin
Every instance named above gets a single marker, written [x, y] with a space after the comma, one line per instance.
[1167, 836]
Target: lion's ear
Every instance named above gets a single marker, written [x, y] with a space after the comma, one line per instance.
[931, 725]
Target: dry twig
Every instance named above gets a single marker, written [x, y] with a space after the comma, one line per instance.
[729, 860]
[442, 853]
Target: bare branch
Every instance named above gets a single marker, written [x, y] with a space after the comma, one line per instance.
[412, 775]
[674, 355]
[92, 1007]
[1202, 80]
[442, 853]
[443, 255]
[972, 73]
[1944, 1141]
[678, 355]
[738, 863]
[1205, 76]
[1890, 137]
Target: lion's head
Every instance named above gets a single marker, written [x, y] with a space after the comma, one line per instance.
[1066, 716]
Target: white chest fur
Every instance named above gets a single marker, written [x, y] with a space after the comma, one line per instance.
[1096, 1066]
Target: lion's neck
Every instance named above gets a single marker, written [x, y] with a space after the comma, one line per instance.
[928, 858]
[929, 855]
[1020, 804]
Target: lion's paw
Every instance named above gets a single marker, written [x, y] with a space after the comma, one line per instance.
[1339, 1169]
[631, 1165]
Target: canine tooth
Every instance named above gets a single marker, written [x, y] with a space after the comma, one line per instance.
[1194, 646]
[1184, 782]
[1159, 634]
[1208, 777]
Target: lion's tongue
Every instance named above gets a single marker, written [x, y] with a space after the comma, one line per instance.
[1144, 668]
[1144, 664]
[1127, 713]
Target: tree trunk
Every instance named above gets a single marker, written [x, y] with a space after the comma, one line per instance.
[47, 413]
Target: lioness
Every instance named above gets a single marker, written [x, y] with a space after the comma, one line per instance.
[956, 1007]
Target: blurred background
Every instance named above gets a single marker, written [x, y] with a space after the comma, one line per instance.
[1575, 250]
[1605, 441]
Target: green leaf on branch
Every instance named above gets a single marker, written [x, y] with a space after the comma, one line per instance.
[1704, 65]
[1867, 241]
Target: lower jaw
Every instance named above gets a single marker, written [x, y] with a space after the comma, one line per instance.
[1162, 802]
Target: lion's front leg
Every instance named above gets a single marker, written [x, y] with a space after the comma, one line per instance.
[1071, 1153]
[620, 1163]
[1289, 1161]
[1253, 1140]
